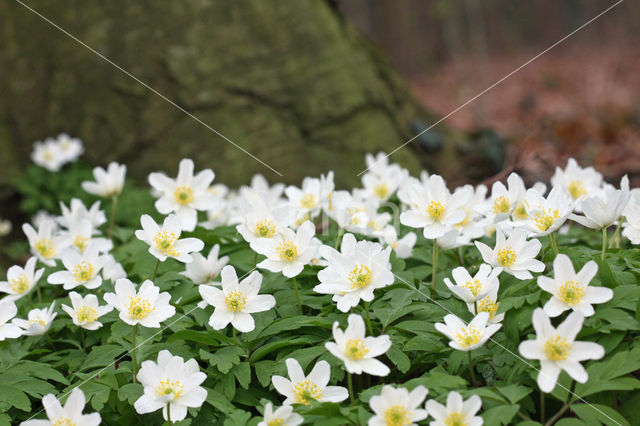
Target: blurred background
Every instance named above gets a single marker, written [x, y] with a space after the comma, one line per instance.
[311, 86]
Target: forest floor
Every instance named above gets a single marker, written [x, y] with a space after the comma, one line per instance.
[581, 101]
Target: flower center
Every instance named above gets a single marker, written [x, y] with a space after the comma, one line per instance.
[474, 286]
[487, 304]
[557, 348]
[45, 248]
[381, 190]
[287, 251]
[265, 228]
[506, 257]
[397, 416]
[501, 205]
[546, 218]
[468, 336]
[576, 189]
[64, 421]
[83, 271]
[165, 242]
[167, 387]
[183, 195]
[456, 419]
[355, 349]
[139, 308]
[235, 301]
[306, 391]
[571, 293]
[360, 276]
[86, 314]
[20, 284]
[466, 220]
[436, 210]
[38, 320]
[520, 211]
[278, 421]
[80, 242]
[308, 201]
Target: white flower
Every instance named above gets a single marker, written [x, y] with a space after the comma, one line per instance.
[309, 199]
[577, 181]
[503, 201]
[184, 195]
[165, 241]
[457, 411]
[85, 311]
[80, 234]
[398, 406]
[8, 310]
[382, 186]
[71, 148]
[70, 414]
[43, 243]
[147, 307]
[39, 321]
[403, 246]
[108, 182]
[288, 251]
[471, 289]
[236, 301]
[603, 208]
[81, 269]
[546, 215]
[515, 255]
[301, 389]
[171, 381]
[433, 208]
[572, 291]
[453, 239]
[77, 211]
[112, 270]
[20, 281]
[557, 349]
[354, 272]
[467, 337]
[5, 227]
[489, 304]
[260, 220]
[282, 416]
[204, 270]
[47, 154]
[270, 194]
[357, 351]
[631, 227]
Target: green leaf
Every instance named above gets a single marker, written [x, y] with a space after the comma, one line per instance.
[607, 375]
[604, 414]
[101, 356]
[242, 372]
[211, 337]
[13, 397]
[219, 401]
[130, 392]
[399, 359]
[224, 359]
[514, 393]
[501, 415]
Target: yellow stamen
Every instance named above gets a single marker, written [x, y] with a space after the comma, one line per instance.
[278, 421]
[265, 228]
[506, 257]
[557, 348]
[167, 387]
[287, 251]
[83, 271]
[355, 349]
[86, 314]
[64, 421]
[397, 416]
[436, 210]
[308, 201]
[520, 211]
[165, 242]
[183, 195]
[80, 242]
[235, 301]
[360, 276]
[456, 419]
[545, 219]
[38, 320]
[576, 189]
[381, 190]
[139, 308]
[487, 304]
[20, 284]
[468, 336]
[501, 205]
[571, 293]
[306, 391]
[45, 247]
[474, 286]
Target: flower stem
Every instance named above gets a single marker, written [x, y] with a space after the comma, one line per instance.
[460, 257]
[350, 384]
[155, 270]
[295, 287]
[30, 301]
[471, 370]
[112, 215]
[542, 408]
[255, 258]
[559, 414]
[133, 352]
[82, 340]
[435, 263]
[169, 411]
[604, 243]
[553, 243]
[338, 239]
[615, 240]
[38, 293]
[367, 318]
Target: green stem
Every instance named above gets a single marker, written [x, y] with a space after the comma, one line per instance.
[435, 263]
[553, 243]
[350, 384]
[82, 340]
[169, 411]
[367, 318]
[460, 257]
[615, 241]
[338, 239]
[155, 270]
[542, 408]
[471, 369]
[604, 243]
[133, 352]
[295, 287]
[553, 419]
[112, 216]
[38, 293]
[255, 258]
[30, 301]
